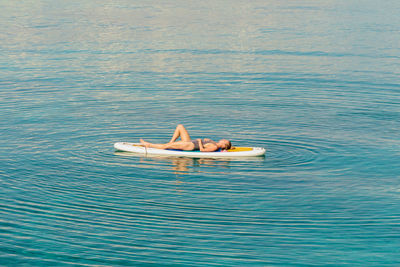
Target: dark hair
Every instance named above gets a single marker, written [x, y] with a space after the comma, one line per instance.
[229, 145]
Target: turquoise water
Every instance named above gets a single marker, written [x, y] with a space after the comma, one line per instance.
[314, 82]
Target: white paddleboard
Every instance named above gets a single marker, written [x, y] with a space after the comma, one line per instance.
[231, 153]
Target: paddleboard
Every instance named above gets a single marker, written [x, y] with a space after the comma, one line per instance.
[231, 153]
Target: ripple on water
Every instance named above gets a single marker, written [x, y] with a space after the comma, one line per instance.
[282, 154]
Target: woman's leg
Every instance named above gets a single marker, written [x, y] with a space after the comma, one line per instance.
[181, 132]
[181, 145]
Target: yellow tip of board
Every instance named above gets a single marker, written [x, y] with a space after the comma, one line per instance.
[239, 149]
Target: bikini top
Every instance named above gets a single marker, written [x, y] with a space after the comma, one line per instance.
[204, 141]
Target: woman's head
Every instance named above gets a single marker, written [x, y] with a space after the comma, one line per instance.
[224, 144]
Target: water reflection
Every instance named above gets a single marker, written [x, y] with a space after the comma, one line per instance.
[183, 165]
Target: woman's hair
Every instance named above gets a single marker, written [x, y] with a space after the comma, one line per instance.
[229, 145]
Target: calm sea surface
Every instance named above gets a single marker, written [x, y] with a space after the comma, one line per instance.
[317, 83]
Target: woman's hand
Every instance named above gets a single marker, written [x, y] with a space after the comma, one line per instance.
[201, 147]
[208, 148]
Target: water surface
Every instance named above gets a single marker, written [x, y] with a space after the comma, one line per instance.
[315, 83]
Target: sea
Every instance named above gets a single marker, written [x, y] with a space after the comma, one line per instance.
[315, 83]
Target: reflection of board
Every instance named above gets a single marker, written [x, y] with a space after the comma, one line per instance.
[235, 152]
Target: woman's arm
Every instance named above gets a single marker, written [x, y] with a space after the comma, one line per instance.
[208, 147]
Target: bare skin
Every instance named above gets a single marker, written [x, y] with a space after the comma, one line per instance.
[185, 143]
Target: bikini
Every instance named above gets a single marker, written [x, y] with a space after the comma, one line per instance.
[197, 146]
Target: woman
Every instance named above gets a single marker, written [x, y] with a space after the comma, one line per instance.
[204, 145]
